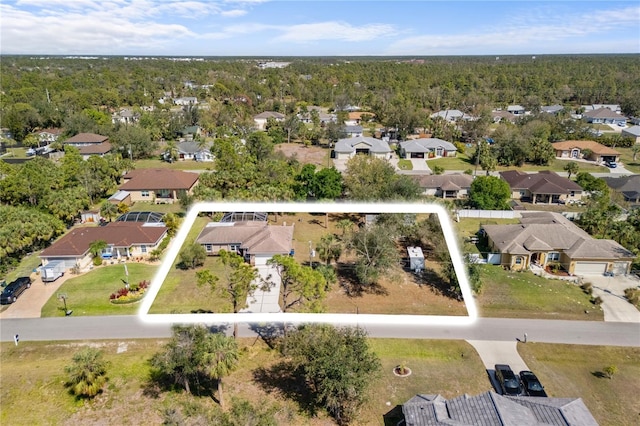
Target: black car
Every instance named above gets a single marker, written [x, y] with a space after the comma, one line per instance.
[509, 382]
[14, 289]
[532, 385]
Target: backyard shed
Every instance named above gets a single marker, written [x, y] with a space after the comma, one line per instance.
[416, 259]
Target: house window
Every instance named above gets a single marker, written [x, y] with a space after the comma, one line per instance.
[234, 248]
[144, 193]
[518, 260]
[553, 256]
[208, 248]
[573, 193]
[143, 249]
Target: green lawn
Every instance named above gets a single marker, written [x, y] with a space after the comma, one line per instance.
[33, 376]
[88, 294]
[576, 371]
[459, 162]
[145, 206]
[176, 165]
[626, 157]
[404, 164]
[507, 294]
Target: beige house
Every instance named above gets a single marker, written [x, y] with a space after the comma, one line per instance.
[543, 187]
[445, 186]
[256, 241]
[124, 240]
[361, 145]
[576, 149]
[261, 119]
[158, 185]
[544, 237]
[90, 144]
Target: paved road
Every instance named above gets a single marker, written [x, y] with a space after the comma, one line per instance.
[494, 329]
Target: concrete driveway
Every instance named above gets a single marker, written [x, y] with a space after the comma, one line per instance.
[611, 289]
[492, 353]
[30, 303]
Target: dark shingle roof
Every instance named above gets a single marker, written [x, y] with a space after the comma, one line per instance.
[119, 234]
[81, 138]
[544, 182]
[152, 179]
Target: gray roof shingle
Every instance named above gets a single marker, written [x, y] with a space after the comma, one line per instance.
[348, 145]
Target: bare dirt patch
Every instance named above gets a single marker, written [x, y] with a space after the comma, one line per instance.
[305, 154]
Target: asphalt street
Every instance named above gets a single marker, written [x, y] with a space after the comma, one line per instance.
[489, 329]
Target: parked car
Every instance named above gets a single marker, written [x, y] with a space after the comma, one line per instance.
[509, 382]
[531, 384]
[612, 164]
[14, 289]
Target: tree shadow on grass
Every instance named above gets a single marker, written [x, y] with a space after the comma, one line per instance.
[599, 375]
[352, 287]
[430, 278]
[270, 333]
[289, 382]
[159, 383]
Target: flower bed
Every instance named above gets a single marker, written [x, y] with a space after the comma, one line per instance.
[132, 294]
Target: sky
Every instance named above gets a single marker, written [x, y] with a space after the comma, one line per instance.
[265, 28]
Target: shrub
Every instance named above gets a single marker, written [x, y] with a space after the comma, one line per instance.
[438, 170]
[610, 371]
[596, 300]
[587, 288]
[632, 295]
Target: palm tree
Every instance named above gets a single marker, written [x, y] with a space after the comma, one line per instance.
[221, 358]
[345, 225]
[329, 248]
[571, 168]
[109, 210]
[88, 373]
[95, 248]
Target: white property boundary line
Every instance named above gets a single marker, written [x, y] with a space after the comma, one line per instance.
[331, 318]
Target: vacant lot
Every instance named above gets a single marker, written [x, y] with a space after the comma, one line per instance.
[306, 154]
[577, 371]
[33, 376]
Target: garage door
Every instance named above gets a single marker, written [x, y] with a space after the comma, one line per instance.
[620, 268]
[590, 268]
[261, 260]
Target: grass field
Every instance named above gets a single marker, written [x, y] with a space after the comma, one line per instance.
[33, 376]
[88, 294]
[507, 294]
[576, 371]
[404, 164]
[462, 162]
[626, 157]
[176, 165]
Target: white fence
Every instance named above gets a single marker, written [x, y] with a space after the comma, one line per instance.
[488, 214]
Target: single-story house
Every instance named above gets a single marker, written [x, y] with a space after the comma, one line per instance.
[500, 115]
[445, 186]
[632, 132]
[490, 408]
[613, 107]
[49, 135]
[262, 118]
[90, 144]
[544, 237]
[158, 185]
[604, 116]
[543, 187]
[451, 115]
[575, 149]
[185, 101]
[124, 239]
[427, 148]
[348, 147]
[551, 109]
[353, 131]
[354, 118]
[190, 132]
[516, 109]
[628, 186]
[125, 116]
[324, 116]
[256, 241]
[190, 150]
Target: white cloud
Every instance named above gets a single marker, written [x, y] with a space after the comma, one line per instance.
[538, 31]
[334, 31]
[233, 13]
